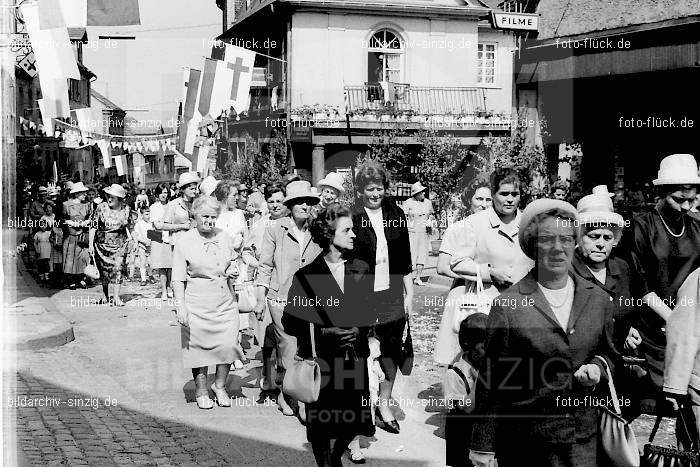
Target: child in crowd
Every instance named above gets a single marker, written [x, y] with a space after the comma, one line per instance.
[42, 246]
[143, 244]
[376, 376]
[56, 240]
[458, 386]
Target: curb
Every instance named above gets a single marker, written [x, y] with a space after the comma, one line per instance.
[57, 336]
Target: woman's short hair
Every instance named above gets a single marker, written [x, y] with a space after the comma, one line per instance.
[502, 176]
[162, 189]
[469, 192]
[531, 230]
[272, 188]
[371, 171]
[205, 202]
[322, 227]
[223, 190]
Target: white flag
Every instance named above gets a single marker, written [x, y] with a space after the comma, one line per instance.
[200, 159]
[240, 61]
[46, 116]
[86, 121]
[52, 47]
[103, 144]
[119, 163]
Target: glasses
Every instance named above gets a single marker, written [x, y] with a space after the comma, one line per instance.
[550, 240]
[514, 194]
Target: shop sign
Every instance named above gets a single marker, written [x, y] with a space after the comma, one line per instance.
[514, 21]
[301, 134]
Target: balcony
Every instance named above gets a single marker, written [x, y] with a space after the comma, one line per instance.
[418, 100]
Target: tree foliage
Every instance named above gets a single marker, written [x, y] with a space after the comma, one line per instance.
[259, 162]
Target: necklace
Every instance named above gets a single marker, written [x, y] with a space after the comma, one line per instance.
[558, 305]
[668, 228]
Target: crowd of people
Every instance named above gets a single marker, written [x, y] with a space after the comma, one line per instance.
[547, 300]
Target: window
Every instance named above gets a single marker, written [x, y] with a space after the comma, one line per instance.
[486, 63]
[152, 164]
[169, 164]
[385, 57]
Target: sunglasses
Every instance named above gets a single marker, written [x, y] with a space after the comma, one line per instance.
[514, 194]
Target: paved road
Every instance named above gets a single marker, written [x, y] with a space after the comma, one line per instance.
[118, 395]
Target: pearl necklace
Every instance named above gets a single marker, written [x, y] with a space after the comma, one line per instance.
[668, 229]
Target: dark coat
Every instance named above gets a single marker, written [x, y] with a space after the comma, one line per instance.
[529, 365]
[315, 297]
[364, 255]
[617, 285]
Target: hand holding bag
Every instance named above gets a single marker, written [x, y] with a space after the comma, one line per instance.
[91, 269]
[303, 380]
[245, 291]
[473, 301]
[616, 435]
[661, 456]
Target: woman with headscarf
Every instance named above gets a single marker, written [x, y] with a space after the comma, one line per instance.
[286, 246]
[383, 272]
[109, 238]
[664, 249]
[203, 262]
[76, 213]
[549, 341]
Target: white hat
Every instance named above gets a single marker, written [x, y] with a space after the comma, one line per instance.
[602, 190]
[598, 209]
[188, 178]
[333, 180]
[678, 169]
[208, 185]
[116, 190]
[417, 188]
[77, 187]
[300, 189]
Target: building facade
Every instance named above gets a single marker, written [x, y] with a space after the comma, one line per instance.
[402, 64]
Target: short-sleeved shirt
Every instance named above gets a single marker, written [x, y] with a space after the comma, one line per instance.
[158, 210]
[417, 213]
[484, 239]
[177, 212]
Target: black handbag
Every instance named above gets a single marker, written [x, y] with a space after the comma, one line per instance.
[407, 351]
[662, 456]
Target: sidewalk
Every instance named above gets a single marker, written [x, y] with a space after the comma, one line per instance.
[32, 316]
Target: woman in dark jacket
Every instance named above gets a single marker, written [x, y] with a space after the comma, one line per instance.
[320, 294]
[547, 336]
[382, 269]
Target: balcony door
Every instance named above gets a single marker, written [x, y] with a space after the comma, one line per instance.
[385, 57]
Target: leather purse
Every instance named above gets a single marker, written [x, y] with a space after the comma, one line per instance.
[661, 456]
[302, 380]
[616, 435]
[407, 354]
[245, 291]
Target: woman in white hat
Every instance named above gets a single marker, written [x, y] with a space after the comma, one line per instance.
[599, 231]
[664, 248]
[76, 213]
[418, 210]
[108, 240]
[178, 217]
[330, 189]
[286, 246]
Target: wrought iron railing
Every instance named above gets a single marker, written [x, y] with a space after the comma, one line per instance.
[421, 100]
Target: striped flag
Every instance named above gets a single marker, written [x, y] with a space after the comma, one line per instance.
[216, 87]
[190, 116]
[82, 13]
[106, 152]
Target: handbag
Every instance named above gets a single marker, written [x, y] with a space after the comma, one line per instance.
[245, 291]
[616, 435]
[302, 380]
[661, 456]
[407, 355]
[473, 301]
[91, 269]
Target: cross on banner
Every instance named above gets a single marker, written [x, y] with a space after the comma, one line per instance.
[237, 68]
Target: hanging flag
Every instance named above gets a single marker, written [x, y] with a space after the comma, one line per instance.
[52, 47]
[51, 14]
[199, 160]
[113, 13]
[85, 119]
[74, 13]
[55, 96]
[106, 152]
[189, 113]
[240, 61]
[46, 117]
[215, 89]
[119, 163]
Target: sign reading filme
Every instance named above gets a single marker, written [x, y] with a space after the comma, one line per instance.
[514, 21]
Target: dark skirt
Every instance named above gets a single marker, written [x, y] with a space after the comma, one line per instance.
[343, 408]
[73, 257]
[523, 450]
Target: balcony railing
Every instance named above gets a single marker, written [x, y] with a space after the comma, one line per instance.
[421, 100]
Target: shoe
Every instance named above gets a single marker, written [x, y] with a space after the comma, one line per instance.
[170, 293]
[72, 287]
[238, 365]
[204, 402]
[302, 413]
[283, 406]
[265, 384]
[356, 456]
[221, 396]
[143, 283]
[392, 426]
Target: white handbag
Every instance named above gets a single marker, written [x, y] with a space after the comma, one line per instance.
[473, 301]
[245, 291]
